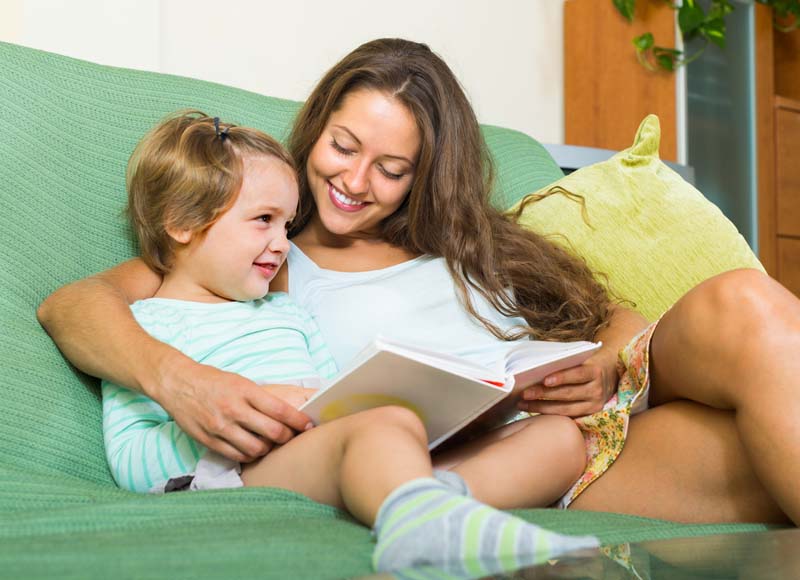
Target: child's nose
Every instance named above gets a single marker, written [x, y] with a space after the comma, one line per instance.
[280, 243]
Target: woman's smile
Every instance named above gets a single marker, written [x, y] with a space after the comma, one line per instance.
[343, 201]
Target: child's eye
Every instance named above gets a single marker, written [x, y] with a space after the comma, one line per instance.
[391, 175]
[339, 148]
[266, 218]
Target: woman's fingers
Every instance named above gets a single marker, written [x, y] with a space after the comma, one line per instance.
[572, 376]
[567, 393]
[230, 414]
[568, 409]
[283, 415]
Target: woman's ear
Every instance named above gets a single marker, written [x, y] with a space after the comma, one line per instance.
[179, 235]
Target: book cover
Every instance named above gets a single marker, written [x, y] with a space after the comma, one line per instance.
[445, 391]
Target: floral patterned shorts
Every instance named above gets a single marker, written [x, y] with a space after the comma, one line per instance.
[604, 432]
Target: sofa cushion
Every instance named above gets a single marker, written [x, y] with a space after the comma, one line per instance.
[650, 234]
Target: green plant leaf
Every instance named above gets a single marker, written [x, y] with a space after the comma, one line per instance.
[644, 42]
[665, 62]
[690, 17]
[626, 8]
[714, 31]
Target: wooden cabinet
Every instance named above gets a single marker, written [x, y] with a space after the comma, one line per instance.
[607, 92]
[787, 166]
[778, 148]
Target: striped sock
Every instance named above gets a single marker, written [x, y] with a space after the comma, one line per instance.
[452, 480]
[424, 523]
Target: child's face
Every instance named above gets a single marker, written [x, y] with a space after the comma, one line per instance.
[244, 249]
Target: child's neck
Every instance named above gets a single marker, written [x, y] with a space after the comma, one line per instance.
[177, 287]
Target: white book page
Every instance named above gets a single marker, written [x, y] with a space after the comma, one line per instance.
[445, 361]
[528, 354]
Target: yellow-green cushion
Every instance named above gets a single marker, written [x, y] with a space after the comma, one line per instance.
[650, 232]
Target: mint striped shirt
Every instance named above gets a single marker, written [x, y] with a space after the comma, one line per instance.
[271, 340]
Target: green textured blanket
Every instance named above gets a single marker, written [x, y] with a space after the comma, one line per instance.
[67, 128]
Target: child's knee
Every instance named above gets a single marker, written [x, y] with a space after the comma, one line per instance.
[572, 444]
[563, 438]
[396, 416]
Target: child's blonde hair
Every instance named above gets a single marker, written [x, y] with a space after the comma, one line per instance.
[184, 174]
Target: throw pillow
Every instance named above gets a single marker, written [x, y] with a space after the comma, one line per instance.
[649, 232]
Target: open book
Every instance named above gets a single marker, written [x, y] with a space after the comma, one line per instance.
[447, 392]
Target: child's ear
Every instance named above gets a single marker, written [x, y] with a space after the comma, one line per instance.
[180, 236]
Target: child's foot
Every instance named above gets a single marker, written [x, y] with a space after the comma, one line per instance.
[423, 523]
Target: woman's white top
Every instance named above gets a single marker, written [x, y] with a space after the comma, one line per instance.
[415, 302]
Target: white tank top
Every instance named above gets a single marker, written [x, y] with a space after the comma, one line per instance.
[414, 301]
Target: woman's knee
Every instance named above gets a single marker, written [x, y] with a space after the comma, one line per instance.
[734, 297]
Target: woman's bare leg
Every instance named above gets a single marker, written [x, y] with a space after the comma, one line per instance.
[529, 463]
[733, 343]
[337, 464]
[683, 462]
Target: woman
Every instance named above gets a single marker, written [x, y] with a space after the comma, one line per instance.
[402, 179]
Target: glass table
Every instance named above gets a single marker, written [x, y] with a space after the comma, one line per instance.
[769, 555]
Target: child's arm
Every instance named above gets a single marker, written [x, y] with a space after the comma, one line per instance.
[145, 448]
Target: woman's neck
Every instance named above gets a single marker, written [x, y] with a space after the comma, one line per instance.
[359, 253]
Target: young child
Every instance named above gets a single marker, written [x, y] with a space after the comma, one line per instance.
[210, 204]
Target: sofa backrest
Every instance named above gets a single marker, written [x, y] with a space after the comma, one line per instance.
[67, 128]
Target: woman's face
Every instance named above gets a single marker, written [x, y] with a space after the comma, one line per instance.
[361, 168]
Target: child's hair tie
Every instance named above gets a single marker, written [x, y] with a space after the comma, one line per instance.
[220, 134]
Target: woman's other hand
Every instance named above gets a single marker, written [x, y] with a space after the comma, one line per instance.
[584, 389]
[576, 391]
[226, 412]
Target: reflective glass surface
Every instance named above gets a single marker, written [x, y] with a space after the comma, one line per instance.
[773, 554]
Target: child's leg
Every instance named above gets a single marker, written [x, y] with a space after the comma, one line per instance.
[352, 463]
[530, 463]
[376, 465]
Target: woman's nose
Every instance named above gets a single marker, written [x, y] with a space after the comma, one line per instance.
[357, 178]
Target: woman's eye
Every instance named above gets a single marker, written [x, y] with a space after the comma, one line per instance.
[339, 148]
[391, 175]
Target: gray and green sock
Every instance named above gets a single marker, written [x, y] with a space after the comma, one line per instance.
[425, 523]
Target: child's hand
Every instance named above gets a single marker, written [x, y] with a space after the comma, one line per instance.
[575, 391]
[292, 394]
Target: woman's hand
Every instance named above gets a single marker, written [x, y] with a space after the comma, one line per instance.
[226, 412]
[294, 395]
[584, 389]
[576, 391]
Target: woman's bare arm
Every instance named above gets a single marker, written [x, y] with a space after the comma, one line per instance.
[91, 322]
[584, 389]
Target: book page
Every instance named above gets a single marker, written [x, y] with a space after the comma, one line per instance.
[530, 354]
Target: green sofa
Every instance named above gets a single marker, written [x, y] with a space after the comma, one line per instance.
[66, 130]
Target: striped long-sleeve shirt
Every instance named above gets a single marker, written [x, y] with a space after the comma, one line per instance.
[272, 340]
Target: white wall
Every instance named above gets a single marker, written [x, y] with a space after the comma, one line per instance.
[507, 53]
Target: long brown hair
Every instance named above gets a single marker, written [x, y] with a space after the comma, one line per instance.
[448, 211]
